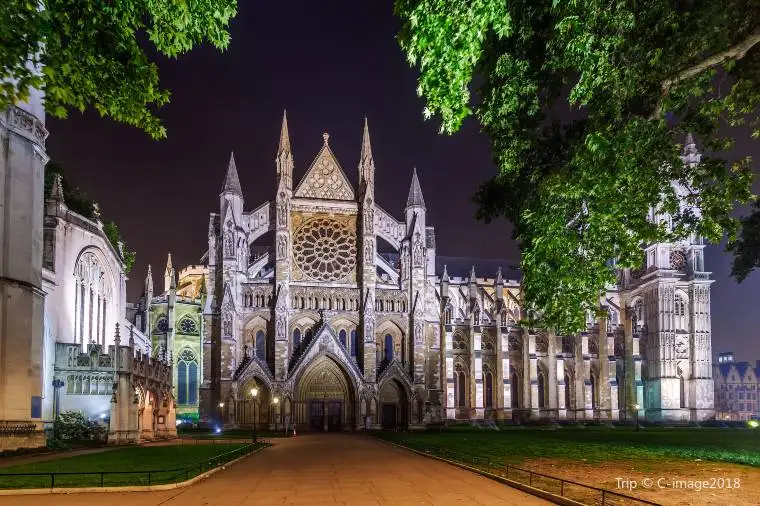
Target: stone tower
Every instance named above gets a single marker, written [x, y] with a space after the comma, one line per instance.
[284, 162]
[671, 304]
[22, 164]
[369, 271]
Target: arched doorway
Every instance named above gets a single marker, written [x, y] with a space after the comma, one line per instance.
[253, 411]
[394, 405]
[325, 399]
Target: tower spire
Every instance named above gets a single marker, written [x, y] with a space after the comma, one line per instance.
[231, 180]
[284, 159]
[284, 146]
[366, 161]
[149, 283]
[56, 192]
[415, 198]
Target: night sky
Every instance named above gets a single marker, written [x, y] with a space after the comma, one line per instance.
[329, 64]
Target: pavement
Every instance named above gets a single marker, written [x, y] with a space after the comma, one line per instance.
[323, 469]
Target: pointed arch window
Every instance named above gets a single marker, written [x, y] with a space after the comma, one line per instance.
[388, 347]
[187, 378]
[681, 318]
[354, 343]
[567, 392]
[296, 340]
[489, 389]
[682, 390]
[461, 387]
[541, 390]
[515, 388]
[342, 337]
[261, 345]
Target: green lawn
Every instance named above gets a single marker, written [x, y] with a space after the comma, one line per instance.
[234, 434]
[136, 466]
[591, 445]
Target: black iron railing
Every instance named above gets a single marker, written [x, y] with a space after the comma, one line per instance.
[80, 479]
[568, 489]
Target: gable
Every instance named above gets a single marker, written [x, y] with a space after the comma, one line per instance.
[325, 179]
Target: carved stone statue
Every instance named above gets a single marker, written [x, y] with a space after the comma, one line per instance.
[227, 325]
[417, 250]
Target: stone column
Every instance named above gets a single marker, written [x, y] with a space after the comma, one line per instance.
[449, 374]
[476, 352]
[604, 405]
[701, 385]
[560, 374]
[22, 162]
[531, 372]
[551, 359]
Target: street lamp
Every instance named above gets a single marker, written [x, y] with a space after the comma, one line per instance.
[276, 403]
[637, 407]
[254, 393]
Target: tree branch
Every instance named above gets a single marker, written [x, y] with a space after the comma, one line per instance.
[736, 52]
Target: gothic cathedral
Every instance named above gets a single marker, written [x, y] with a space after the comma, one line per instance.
[318, 329]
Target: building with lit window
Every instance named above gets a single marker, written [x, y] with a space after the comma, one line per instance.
[736, 389]
[339, 315]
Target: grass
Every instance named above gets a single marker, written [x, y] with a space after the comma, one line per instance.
[231, 434]
[134, 465]
[591, 445]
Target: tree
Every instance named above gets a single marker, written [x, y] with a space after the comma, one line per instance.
[92, 52]
[579, 186]
[747, 246]
[76, 200]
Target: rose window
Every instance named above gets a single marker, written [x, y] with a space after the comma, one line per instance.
[325, 249]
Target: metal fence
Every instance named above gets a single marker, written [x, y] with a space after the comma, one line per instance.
[568, 489]
[73, 479]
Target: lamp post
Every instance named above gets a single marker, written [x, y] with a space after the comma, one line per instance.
[254, 394]
[221, 413]
[636, 407]
[276, 404]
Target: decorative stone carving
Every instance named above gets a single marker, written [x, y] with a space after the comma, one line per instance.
[419, 333]
[325, 180]
[369, 251]
[282, 247]
[418, 251]
[227, 324]
[282, 215]
[369, 216]
[324, 249]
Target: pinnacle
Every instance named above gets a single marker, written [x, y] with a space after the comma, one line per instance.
[366, 162]
[56, 192]
[169, 264]
[415, 198]
[231, 180]
[473, 278]
[284, 135]
[366, 146]
[445, 275]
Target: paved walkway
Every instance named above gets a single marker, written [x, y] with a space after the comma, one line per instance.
[330, 469]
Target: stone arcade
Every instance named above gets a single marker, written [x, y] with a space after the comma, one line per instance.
[337, 332]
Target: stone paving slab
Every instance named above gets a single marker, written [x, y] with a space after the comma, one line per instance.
[324, 469]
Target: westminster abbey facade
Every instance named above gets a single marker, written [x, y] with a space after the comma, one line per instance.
[308, 324]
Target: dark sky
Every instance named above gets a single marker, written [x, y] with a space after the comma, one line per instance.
[329, 64]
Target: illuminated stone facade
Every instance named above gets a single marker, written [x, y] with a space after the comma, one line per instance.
[347, 318]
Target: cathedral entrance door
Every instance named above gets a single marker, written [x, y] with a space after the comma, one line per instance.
[389, 416]
[334, 411]
[316, 415]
